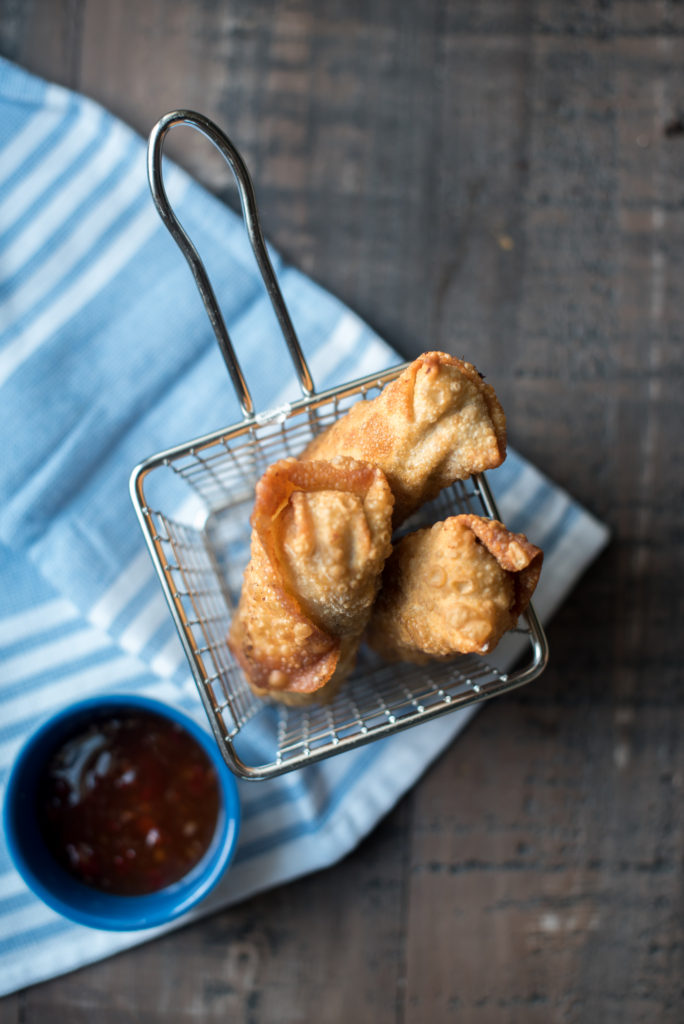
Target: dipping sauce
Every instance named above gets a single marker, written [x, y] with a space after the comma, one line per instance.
[129, 804]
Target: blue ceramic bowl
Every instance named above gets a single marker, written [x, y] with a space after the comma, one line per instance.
[60, 890]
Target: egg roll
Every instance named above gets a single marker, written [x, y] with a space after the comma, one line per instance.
[320, 536]
[438, 422]
[455, 587]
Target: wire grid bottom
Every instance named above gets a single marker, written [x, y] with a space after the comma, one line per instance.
[201, 571]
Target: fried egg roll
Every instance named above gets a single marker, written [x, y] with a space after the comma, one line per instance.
[438, 422]
[455, 587]
[320, 536]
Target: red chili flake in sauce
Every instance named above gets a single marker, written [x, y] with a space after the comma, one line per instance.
[129, 804]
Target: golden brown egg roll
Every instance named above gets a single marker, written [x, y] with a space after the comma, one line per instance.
[438, 422]
[320, 536]
[455, 587]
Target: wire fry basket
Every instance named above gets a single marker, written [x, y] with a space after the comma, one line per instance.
[200, 546]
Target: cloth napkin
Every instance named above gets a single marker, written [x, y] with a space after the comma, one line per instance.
[106, 356]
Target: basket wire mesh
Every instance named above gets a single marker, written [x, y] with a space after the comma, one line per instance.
[200, 547]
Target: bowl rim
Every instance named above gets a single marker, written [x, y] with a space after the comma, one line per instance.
[110, 911]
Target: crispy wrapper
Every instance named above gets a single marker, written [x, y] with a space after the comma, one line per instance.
[320, 536]
[438, 422]
[455, 587]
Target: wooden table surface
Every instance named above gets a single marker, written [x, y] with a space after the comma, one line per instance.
[502, 179]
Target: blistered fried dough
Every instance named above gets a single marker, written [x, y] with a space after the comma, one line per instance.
[320, 536]
[439, 421]
[455, 587]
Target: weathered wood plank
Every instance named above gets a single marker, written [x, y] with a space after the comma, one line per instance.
[11, 1008]
[496, 179]
[545, 868]
[45, 37]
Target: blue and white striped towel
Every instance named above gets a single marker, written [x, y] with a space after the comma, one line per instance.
[106, 356]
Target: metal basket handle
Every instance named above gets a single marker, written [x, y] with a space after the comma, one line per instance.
[250, 215]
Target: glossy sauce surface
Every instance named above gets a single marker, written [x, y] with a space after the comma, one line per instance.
[129, 804]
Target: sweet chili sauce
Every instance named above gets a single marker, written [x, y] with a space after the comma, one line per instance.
[129, 804]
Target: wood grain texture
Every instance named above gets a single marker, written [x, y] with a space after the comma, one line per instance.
[497, 179]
